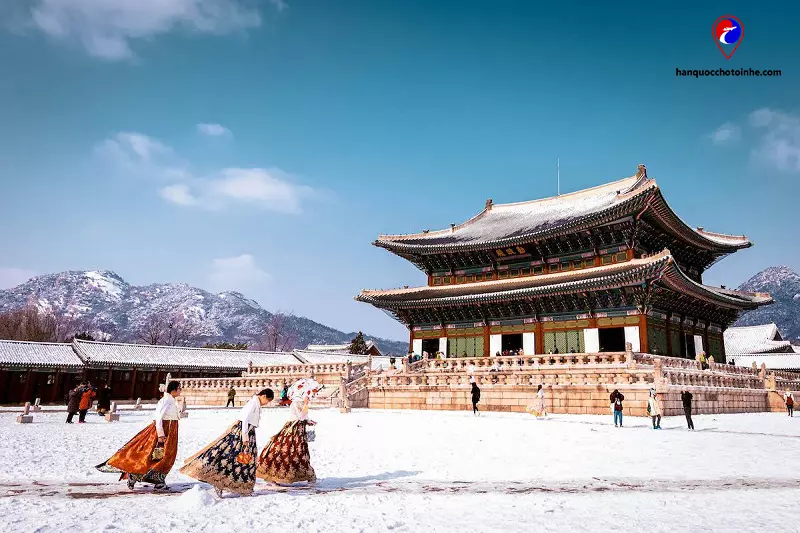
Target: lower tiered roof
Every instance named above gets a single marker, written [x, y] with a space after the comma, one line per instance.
[660, 269]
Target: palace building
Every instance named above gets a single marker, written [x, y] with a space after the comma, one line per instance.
[587, 271]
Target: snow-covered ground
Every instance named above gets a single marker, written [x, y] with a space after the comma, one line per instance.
[425, 471]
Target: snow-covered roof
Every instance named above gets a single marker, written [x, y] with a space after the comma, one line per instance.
[511, 224]
[145, 356]
[661, 265]
[764, 338]
[327, 356]
[789, 361]
[38, 354]
[338, 348]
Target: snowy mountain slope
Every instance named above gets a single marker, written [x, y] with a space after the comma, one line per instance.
[783, 284]
[103, 302]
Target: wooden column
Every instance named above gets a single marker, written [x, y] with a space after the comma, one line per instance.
[133, 384]
[410, 338]
[56, 387]
[156, 382]
[486, 340]
[643, 333]
[28, 389]
[668, 328]
[707, 346]
[539, 340]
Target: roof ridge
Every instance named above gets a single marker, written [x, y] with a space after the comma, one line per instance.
[48, 343]
[637, 180]
[80, 341]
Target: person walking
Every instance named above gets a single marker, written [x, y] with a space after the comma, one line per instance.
[104, 400]
[87, 399]
[655, 410]
[74, 402]
[686, 398]
[616, 404]
[286, 459]
[476, 397]
[229, 463]
[788, 399]
[231, 397]
[538, 409]
[148, 457]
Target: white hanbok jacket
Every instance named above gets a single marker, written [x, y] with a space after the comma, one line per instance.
[166, 409]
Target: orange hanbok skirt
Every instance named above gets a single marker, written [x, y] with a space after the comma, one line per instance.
[135, 459]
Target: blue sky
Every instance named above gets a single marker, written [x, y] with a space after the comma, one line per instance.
[262, 146]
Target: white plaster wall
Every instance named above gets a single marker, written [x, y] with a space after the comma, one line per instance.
[698, 344]
[417, 346]
[443, 345]
[495, 344]
[591, 340]
[529, 343]
[632, 336]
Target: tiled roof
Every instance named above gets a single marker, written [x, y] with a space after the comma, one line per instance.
[764, 338]
[339, 348]
[313, 358]
[608, 276]
[511, 224]
[145, 356]
[38, 354]
[787, 361]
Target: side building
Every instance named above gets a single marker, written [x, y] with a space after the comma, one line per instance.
[582, 272]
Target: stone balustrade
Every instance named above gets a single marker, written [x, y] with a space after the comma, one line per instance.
[516, 363]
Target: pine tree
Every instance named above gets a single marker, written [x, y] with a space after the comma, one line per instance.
[358, 345]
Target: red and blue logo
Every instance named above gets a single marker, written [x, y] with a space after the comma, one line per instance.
[728, 33]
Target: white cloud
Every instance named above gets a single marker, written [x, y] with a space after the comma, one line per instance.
[236, 273]
[213, 130]
[141, 156]
[178, 194]
[779, 139]
[11, 277]
[107, 28]
[726, 134]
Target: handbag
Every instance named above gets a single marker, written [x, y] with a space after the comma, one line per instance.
[158, 453]
[310, 434]
[244, 458]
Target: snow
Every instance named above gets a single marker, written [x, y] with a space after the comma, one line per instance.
[425, 471]
[106, 284]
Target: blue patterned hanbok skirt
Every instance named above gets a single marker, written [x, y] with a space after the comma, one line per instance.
[225, 463]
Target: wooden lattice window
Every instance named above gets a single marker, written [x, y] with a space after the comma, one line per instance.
[538, 270]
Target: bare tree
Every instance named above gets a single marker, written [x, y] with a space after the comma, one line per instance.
[33, 324]
[279, 333]
[180, 331]
[152, 330]
[167, 330]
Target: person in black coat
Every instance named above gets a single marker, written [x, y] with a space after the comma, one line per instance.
[104, 400]
[476, 397]
[686, 398]
[74, 402]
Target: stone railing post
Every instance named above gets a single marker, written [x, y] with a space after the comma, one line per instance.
[345, 407]
[658, 374]
[629, 355]
[112, 415]
[349, 370]
[405, 364]
[25, 417]
[769, 383]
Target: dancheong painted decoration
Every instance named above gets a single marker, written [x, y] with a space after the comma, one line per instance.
[587, 272]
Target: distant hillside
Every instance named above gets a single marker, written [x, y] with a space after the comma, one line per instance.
[106, 304]
[783, 284]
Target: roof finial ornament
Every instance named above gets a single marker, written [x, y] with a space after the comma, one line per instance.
[452, 227]
[425, 231]
[641, 171]
[488, 204]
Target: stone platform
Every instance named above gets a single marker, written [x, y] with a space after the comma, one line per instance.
[573, 383]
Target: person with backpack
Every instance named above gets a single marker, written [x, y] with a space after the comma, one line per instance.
[788, 399]
[616, 405]
[476, 397]
[686, 398]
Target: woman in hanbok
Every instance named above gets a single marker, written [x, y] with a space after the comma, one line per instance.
[538, 405]
[148, 457]
[229, 463]
[286, 459]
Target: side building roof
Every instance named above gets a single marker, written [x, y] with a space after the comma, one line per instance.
[761, 339]
[501, 225]
[145, 356]
[772, 362]
[38, 354]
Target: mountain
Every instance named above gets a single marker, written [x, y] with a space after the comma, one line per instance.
[104, 303]
[783, 284]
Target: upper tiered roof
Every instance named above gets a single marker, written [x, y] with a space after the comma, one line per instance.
[513, 224]
[761, 339]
